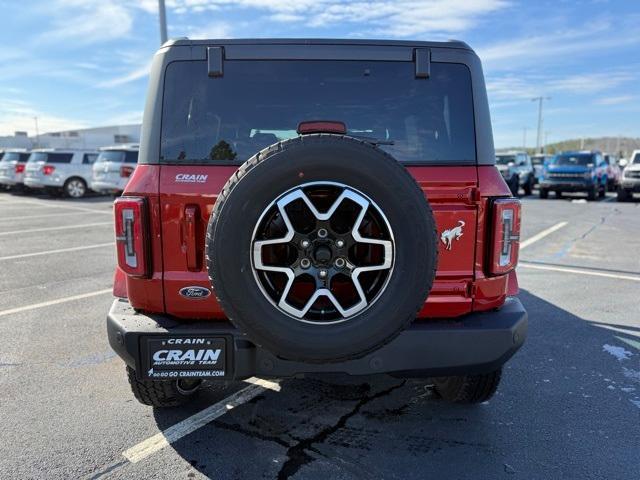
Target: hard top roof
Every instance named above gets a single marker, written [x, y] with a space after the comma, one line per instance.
[184, 41]
[64, 150]
[128, 147]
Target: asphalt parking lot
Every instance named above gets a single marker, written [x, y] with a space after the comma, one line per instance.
[568, 406]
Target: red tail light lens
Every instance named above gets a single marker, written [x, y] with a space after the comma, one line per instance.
[131, 235]
[126, 171]
[48, 169]
[20, 167]
[506, 235]
[322, 126]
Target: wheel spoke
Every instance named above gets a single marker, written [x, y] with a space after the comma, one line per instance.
[280, 296]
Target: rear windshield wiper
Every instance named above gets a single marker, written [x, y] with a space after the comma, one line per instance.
[373, 140]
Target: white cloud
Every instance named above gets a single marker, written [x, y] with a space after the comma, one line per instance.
[616, 100]
[557, 47]
[87, 21]
[212, 30]
[510, 88]
[136, 74]
[400, 18]
[18, 115]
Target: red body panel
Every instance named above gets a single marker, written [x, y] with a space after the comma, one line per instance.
[147, 293]
[489, 292]
[179, 212]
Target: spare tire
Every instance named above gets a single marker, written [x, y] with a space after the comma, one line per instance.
[321, 248]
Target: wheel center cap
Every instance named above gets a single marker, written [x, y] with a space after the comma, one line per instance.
[322, 254]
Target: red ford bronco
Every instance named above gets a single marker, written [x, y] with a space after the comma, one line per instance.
[305, 206]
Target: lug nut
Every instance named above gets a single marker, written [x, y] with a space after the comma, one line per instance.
[340, 243]
[305, 243]
[322, 233]
[322, 274]
[305, 263]
[340, 263]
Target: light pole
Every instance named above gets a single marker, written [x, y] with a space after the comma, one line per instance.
[524, 138]
[546, 141]
[540, 100]
[37, 132]
[163, 21]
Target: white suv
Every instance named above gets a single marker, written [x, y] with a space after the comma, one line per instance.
[114, 166]
[60, 170]
[12, 167]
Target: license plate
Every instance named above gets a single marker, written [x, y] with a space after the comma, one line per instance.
[164, 358]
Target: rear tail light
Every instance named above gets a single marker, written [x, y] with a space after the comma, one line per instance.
[506, 235]
[20, 167]
[48, 169]
[126, 171]
[131, 235]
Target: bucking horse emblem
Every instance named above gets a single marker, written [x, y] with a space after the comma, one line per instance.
[452, 234]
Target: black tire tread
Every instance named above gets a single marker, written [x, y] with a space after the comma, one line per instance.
[264, 155]
[469, 388]
[156, 393]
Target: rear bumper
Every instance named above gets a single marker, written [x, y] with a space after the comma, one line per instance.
[10, 180]
[475, 343]
[33, 182]
[630, 185]
[106, 186]
[567, 186]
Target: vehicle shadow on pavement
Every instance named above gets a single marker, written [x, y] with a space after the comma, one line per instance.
[546, 420]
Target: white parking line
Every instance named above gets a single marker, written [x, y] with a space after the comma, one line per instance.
[189, 425]
[581, 271]
[54, 302]
[51, 229]
[59, 250]
[56, 205]
[541, 235]
[47, 215]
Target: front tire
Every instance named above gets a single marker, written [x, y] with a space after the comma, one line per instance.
[514, 185]
[161, 393]
[623, 195]
[592, 193]
[468, 389]
[528, 187]
[544, 193]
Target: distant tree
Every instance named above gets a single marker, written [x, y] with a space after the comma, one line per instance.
[222, 151]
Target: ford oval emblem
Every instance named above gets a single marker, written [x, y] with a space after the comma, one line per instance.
[195, 292]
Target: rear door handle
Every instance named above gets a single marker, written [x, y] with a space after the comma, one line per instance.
[191, 217]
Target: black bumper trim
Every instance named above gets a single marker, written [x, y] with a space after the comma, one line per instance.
[475, 343]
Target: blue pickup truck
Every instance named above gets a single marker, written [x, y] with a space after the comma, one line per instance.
[584, 171]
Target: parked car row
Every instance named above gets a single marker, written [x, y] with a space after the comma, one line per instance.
[71, 172]
[517, 170]
[588, 171]
[630, 177]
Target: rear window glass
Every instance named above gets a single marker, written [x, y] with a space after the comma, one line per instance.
[131, 157]
[257, 103]
[571, 159]
[51, 157]
[537, 160]
[15, 157]
[505, 159]
[111, 156]
[118, 156]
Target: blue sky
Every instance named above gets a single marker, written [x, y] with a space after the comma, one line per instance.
[77, 63]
